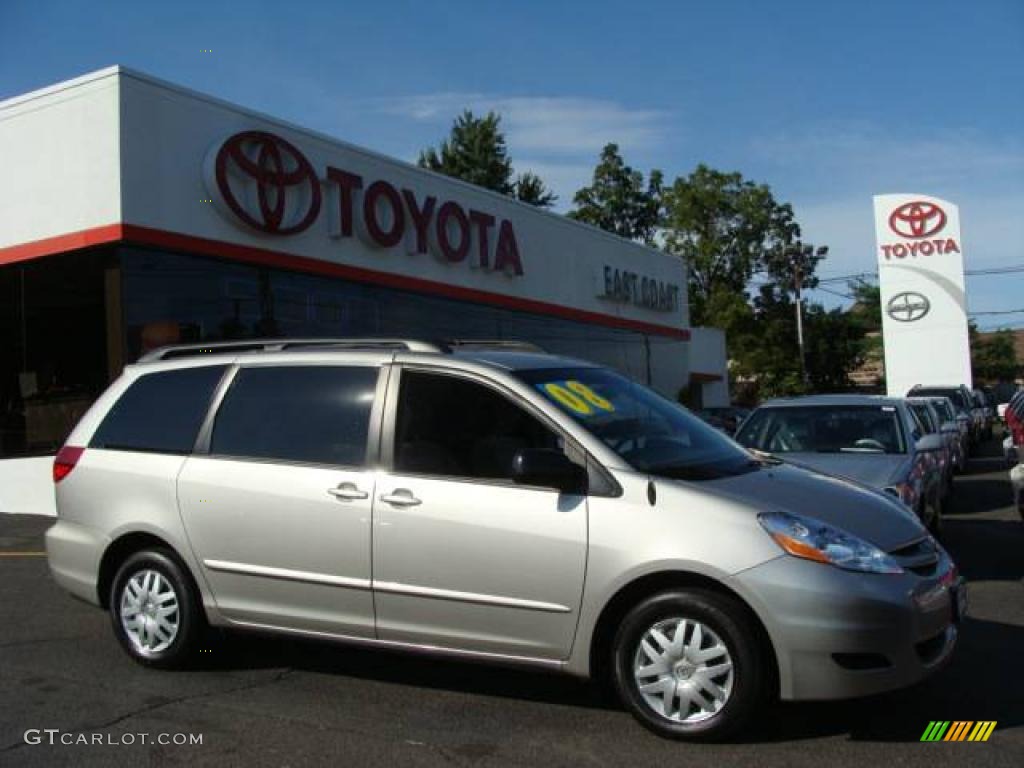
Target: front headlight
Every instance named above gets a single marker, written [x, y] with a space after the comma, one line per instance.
[812, 539]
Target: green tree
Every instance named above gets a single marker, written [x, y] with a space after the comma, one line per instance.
[727, 229]
[994, 356]
[618, 201]
[530, 189]
[476, 151]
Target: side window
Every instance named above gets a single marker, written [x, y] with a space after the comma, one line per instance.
[457, 428]
[922, 423]
[160, 412]
[316, 414]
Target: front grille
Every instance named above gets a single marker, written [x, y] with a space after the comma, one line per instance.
[920, 556]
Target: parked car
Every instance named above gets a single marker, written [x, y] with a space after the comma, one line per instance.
[491, 504]
[1010, 453]
[985, 413]
[951, 427]
[1015, 419]
[727, 419]
[928, 422]
[962, 400]
[874, 440]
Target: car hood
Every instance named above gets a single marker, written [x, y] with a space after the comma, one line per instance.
[876, 470]
[872, 516]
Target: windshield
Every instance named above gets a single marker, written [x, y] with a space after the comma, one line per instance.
[953, 394]
[824, 429]
[652, 434]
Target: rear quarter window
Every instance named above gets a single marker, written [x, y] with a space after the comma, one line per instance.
[159, 412]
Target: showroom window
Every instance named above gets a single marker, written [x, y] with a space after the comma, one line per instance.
[56, 338]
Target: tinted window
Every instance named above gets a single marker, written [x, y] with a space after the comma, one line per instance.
[457, 428]
[316, 414]
[824, 429]
[160, 412]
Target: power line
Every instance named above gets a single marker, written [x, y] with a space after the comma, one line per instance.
[997, 312]
[986, 271]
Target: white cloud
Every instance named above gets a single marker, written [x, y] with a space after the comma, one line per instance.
[543, 124]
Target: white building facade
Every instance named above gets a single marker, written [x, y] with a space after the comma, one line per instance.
[135, 213]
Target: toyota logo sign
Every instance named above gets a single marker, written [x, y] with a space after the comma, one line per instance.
[908, 306]
[267, 183]
[917, 219]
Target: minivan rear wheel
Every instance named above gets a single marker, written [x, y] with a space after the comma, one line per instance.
[688, 665]
[154, 610]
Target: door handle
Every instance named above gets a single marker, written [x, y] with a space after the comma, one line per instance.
[348, 492]
[401, 497]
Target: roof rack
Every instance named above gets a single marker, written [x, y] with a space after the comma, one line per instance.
[451, 345]
[174, 351]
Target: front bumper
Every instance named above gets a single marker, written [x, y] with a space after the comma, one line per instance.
[839, 634]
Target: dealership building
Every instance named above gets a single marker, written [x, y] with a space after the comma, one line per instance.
[135, 213]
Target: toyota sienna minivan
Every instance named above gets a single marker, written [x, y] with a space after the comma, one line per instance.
[494, 503]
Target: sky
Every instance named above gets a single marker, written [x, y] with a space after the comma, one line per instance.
[828, 103]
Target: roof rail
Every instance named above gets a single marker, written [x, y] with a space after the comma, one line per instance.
[277, 345]
[451, 345]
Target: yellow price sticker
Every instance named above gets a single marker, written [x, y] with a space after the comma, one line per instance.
[590, 395]
[577, 397]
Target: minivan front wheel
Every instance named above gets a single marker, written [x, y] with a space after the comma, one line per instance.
[688, 666]
[154, 610]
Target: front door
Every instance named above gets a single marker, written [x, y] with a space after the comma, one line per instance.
[463, 557]
[279, 511]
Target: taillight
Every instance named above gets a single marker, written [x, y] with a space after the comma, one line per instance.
[65, 460]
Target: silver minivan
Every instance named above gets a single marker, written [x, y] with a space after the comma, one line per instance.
[494, 503]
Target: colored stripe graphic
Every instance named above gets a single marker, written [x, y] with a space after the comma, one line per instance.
[935, 730]
[982, 730]
[958, 731]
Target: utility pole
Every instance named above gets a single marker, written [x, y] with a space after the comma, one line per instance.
[799, 252]
[798, 277]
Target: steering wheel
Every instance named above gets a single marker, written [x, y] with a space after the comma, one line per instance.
[867, 442]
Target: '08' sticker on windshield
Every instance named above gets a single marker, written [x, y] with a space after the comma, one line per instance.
[576, 397]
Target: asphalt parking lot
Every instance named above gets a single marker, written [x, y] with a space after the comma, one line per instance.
[269, 701]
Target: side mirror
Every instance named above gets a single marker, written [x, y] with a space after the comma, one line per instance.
[548, 469]
[930, 442]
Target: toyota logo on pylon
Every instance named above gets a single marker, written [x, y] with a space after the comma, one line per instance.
[917, 219]
[266, 182]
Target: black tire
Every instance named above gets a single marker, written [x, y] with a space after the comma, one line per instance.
[725, 617]
[188, 617]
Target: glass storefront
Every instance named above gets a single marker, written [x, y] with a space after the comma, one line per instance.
[69, 322]
[53, 347]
